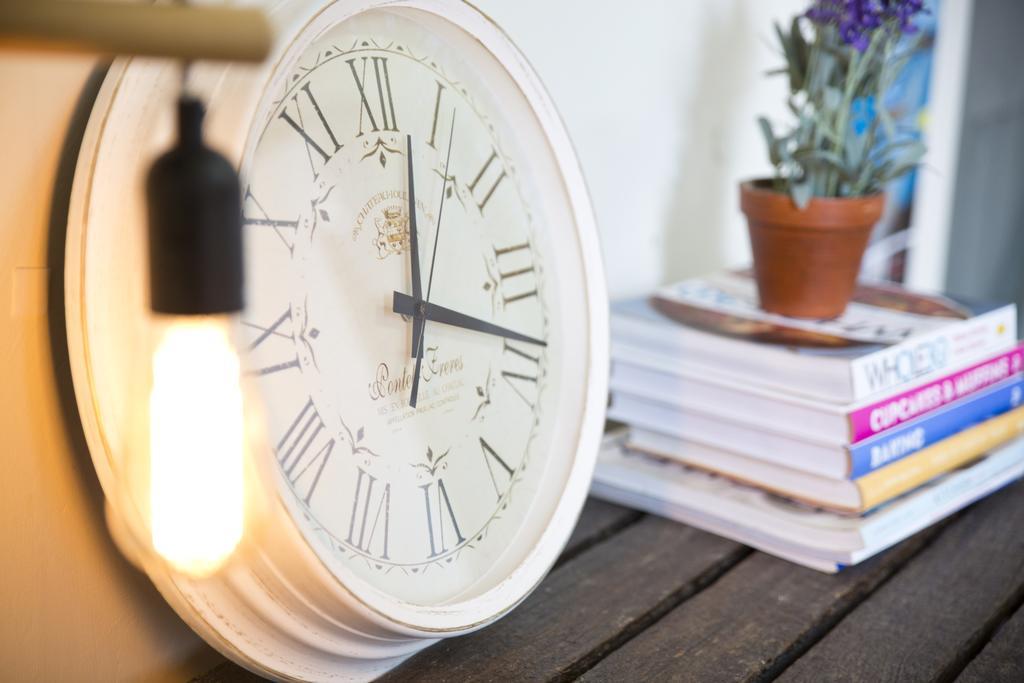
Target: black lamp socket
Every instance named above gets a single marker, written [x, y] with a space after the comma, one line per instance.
[195, 225]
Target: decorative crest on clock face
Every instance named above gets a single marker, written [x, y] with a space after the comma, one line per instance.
[392, 232]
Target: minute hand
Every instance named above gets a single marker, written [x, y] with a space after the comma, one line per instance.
[407, 305]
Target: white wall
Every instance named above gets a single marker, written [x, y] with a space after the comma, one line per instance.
[660, 98]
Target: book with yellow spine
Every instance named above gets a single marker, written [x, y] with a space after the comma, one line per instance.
[955, 451]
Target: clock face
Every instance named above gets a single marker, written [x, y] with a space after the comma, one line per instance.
[386, 120]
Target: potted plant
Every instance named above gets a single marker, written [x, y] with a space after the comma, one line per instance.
[810, 223]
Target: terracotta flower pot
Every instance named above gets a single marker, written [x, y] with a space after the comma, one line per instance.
[806, 260]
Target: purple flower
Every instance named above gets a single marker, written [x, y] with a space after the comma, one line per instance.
[856, 20]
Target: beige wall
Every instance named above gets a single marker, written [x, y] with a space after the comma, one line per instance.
[70, 608]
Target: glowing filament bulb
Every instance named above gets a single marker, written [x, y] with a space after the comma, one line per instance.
[197, 442]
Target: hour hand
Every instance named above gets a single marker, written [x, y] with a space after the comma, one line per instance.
[414, 247]
[407, 305]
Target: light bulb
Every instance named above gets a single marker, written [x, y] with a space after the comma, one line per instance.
[197, 443]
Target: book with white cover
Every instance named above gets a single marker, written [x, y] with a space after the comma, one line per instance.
[761, 439]
[886, 340]
[689, 387]
[696, 388]
[819, 539]
[841, 495]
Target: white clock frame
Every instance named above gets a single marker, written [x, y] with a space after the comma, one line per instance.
[275, 609]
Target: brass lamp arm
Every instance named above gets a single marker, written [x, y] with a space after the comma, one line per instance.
[118, 28]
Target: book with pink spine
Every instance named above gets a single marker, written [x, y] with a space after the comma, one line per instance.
[868, 420]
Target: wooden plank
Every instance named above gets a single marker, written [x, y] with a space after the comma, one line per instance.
[750, 624]
[1003, 657]
[931, 619]
[598, 520]
[228, 672]
[585, 608]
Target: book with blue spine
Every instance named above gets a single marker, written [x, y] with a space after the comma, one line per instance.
[910, 437]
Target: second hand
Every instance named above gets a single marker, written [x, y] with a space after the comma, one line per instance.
[421, 316]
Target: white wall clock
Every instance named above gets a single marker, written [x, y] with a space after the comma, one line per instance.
[382, 527]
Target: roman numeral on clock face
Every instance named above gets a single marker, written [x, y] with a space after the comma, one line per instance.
[437, 111]
[439, 511]
[384, 113]
[371, 516]
[254, 215]
[520, 372]
[483, 189]
[304, 450]
[276, 329]
[516, 272]
[495, 463]
[310, 127]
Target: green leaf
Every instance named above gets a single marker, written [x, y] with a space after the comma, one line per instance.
[823, 74]
[792, 61]
[800, 193]
[770, 141]
[799, 64]
[858, 147]
[866, 181]
[910, 153]
[784, 147]
[902, 163]
[833, 98]
[895, 172]
[901, 151]
[793, 107]
[886, 118]
[805, 155]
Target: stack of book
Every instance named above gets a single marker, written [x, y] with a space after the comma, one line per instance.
[823, 442]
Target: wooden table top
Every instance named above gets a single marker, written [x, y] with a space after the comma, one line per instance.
[640, 598]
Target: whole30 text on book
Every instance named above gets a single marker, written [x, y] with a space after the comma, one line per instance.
[932, 352]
